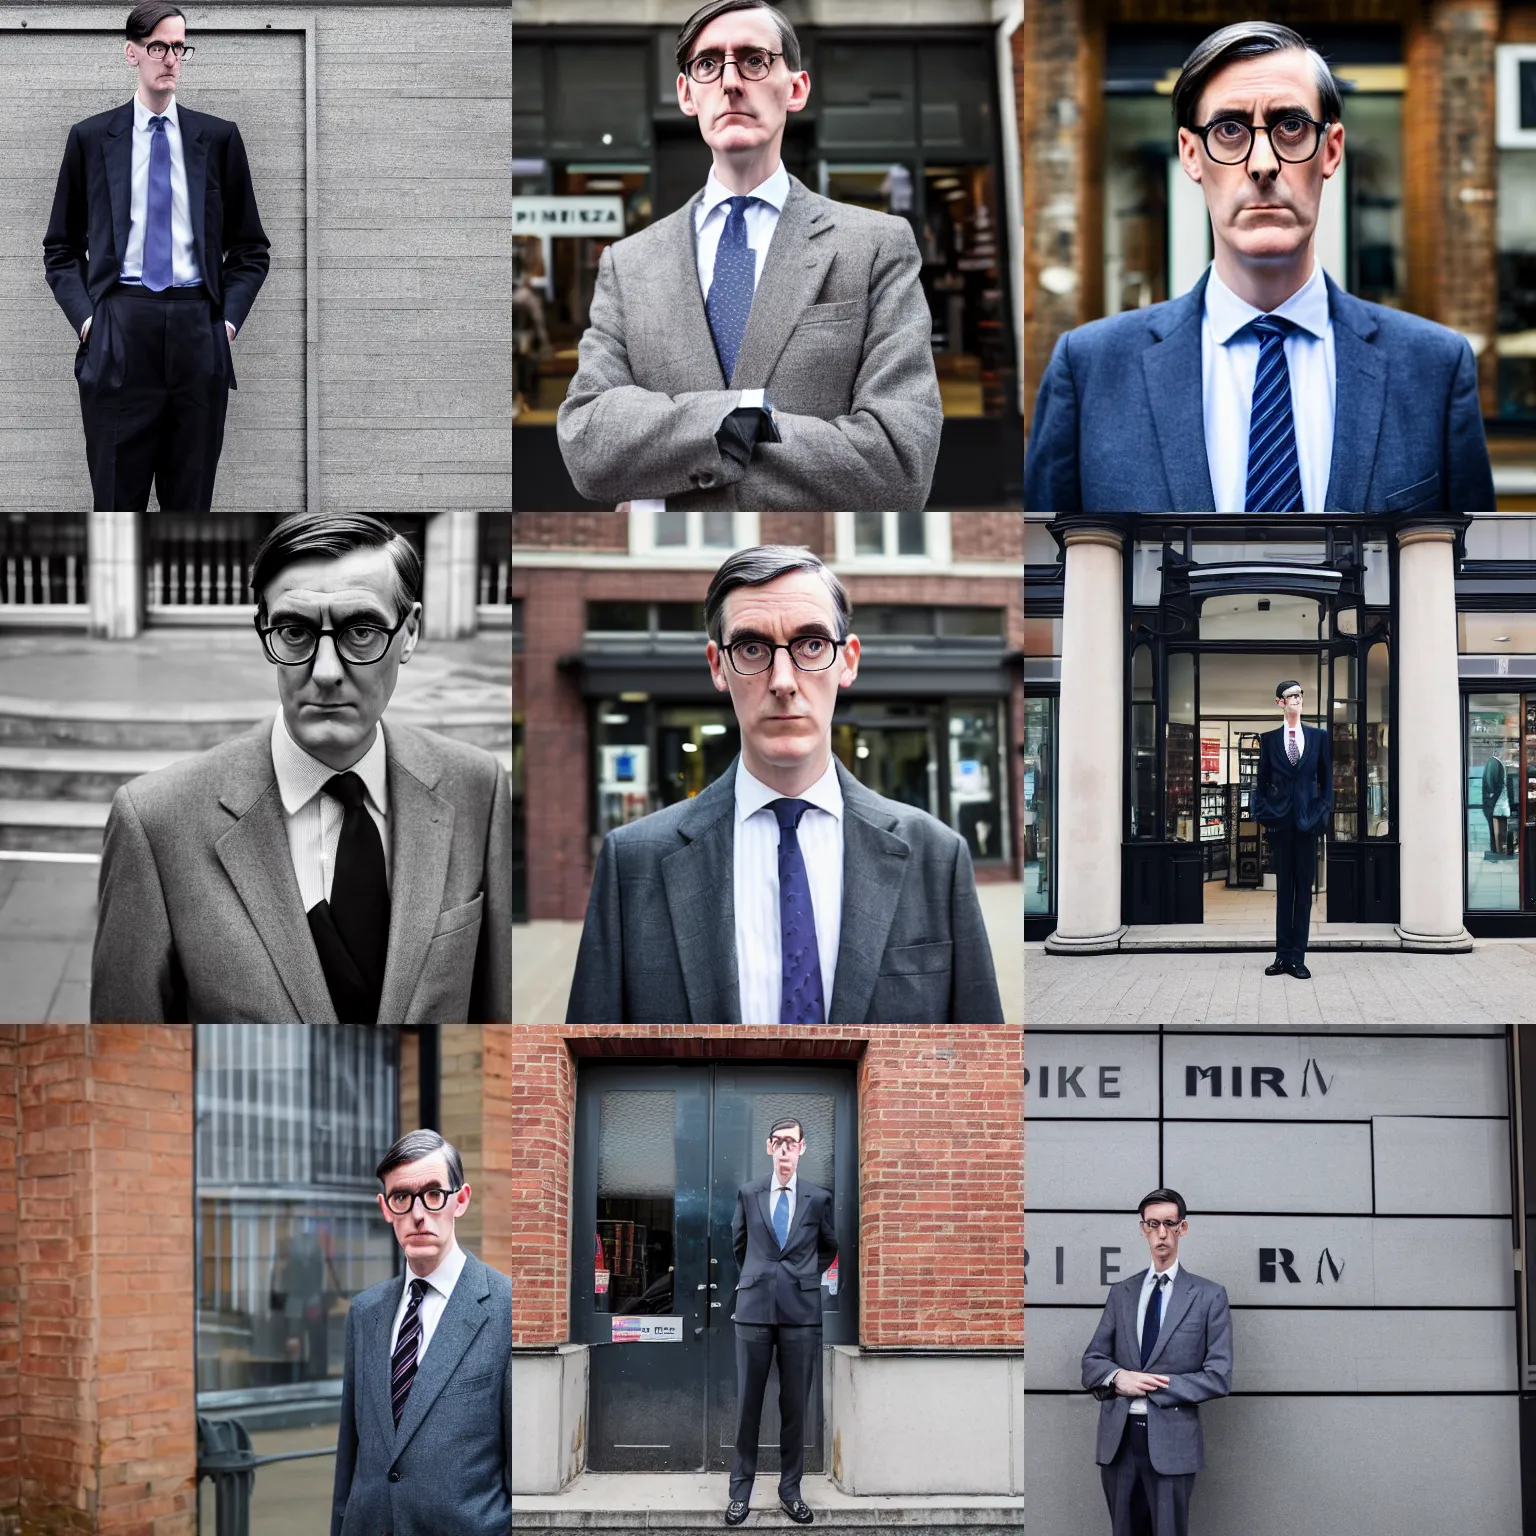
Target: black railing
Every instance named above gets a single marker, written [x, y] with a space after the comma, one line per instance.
[227, 1459]
[495, 559]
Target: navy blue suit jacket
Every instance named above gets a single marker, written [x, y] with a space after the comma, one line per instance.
[1299, 797]
[781, 1285]
[1119, 424]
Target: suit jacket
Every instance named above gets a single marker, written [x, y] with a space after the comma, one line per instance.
[448, 1467]
[781, 1285]
[1193, 1350]
[1119, 424]
[199, 913]
[88, 229]
[839, 336]
[1301, 796]
[659, 944]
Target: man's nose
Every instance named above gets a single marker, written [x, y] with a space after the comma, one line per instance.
[783, 675]
[1262, 160]
[327, 666]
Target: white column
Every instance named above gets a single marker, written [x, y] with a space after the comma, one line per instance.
[1091, 757]
[448, 594]
[114, 563]
[1429, 766]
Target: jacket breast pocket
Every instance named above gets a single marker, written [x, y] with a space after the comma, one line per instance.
[486, 1381]
[831, 314]
[747, 1282]
[918, 959]
[459, 917]
[1421, 495]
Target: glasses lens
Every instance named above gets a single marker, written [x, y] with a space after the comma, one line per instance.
[1293, 138]
[1228, 141]
[434, 1199]
[292, 642]
[706, 67]
[755, 65]
[751, 656]
[812, 652]
[363, 642]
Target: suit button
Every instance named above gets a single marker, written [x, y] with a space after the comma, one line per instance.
[394, 1477]
[703, 481]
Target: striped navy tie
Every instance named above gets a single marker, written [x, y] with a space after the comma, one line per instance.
[402, 1365]
[1274, 473]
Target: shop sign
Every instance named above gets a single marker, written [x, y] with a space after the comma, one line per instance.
[647, 1330]
[595, 217]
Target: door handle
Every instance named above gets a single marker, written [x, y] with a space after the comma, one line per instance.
[698, 1333]
[714, 1304]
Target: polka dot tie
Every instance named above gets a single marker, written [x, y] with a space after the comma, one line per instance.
[800, 997]
[730, 291]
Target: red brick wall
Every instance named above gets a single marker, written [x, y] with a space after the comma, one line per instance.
[570, 530]
[813, 529]
[987, 536]
[10, 1288]
[947, 1101]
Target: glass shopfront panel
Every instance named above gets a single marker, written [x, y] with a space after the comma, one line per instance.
[1181, 747]
[1492, 802]
[1039, 805]
[623, 775]
[977, 795]
[1144, 790]
[1378, 732]
[1517, 284]
[1345, 740]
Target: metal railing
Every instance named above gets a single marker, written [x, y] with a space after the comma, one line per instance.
[226, 1457]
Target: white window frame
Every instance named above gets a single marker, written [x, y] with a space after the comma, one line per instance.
[1508, 134]
[936, 554]
[643, 545]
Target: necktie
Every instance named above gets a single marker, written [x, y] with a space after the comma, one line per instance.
[352, 929]
[800, 1000]
[402, 1364]
[730, 290]
[1274, 473]
[781, 1215]
[1290, 748]
[1153, 1320]
[156, 272]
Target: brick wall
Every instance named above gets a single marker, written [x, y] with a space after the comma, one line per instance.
[463, 1120]
[498, 1152]
[816, 530]
[10, 1290]
[987, 536]
[945, 1101]
[569, 530]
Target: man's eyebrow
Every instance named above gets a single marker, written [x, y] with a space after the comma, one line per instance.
[347, 617]
[815, 627]
[1241, 114]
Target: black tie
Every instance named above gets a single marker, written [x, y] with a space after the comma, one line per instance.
[403, 1363]
[1153, 1320]
[351, 931]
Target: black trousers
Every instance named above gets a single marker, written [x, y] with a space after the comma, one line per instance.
[1142, 1500]
[154, 381]
[1294, 855]
[797, 1348]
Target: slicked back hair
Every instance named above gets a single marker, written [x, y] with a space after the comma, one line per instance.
[330, 535]
[784, 1125]
[789, 44]
[1163, 1197]
[1248, 40]
[414, 1146]
[146, 16]
[764, 562]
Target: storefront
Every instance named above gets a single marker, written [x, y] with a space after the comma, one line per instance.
[909, 120]
[1217, 612]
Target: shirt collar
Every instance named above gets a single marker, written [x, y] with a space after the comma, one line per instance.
[1172, 1272]
[752, 795]
[301, 777]
[142, 115]
[774, 191]
[1228, 314]
[773, 1183]
[446, 1275]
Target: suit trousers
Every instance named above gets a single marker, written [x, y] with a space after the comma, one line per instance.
[797, 1347]
[1294, 855]
[1142, 1500]
[154, 387]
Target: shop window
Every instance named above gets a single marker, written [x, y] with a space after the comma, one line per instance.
[1039, 546]
[1042, 637]
[1242, 552]
[599, 100]
[1039, 804]
[888, 533]
[977, 803]
[694, 747]
[1147, 574]
[691, 533]
[636, 1195]
[1181, 747]
[970, 623]
[1261, 616]
[1493, 802]
[1504, 536]
[622, 741]
[896, 760]
[1345, 734]
[1517, 284]
[1377, 581]
[680, 618]
[1378, 765]
[1144, 793]
[626, 618]
[893, 619]
[1496, 634]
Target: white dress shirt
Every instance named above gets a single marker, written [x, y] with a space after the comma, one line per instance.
[755, 886]
[313, 819]
[434, 1301]
[1300, 733]
[185, 271]
[1139, 1404]
[773, 1196]
[1229, 363]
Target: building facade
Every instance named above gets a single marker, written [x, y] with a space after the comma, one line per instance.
[614, 714]
[1432, 211]
[912, 112]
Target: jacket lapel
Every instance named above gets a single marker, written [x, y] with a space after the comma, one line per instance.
[117, 151]
[874, 868]
[765, 1206]
[421, 829]
[698, 880]
[791, 278]
[462, 1319]
[802, 1207]
[254, 853]
[1173, 372]
[380, 1326]
[1180, 1295]
[194, 153]
[677, 290]
[1359, 398]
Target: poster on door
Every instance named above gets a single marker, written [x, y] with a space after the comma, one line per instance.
[647, 1330]
[1210, 758]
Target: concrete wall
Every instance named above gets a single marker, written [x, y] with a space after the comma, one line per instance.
[549, 1417]
[1354, 1199]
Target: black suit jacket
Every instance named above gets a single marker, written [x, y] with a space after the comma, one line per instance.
[781, 1285]
[1299, 797]
[88, 229]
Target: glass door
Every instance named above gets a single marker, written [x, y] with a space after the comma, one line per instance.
[1492, 801]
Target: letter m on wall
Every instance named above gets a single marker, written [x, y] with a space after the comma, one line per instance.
[1193, 1076]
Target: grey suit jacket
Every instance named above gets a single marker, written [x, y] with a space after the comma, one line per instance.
[839, 336]
[199, 916]
[659, 945]
[448, 1467]
[1193, 1350]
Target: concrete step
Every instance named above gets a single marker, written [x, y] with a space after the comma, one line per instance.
[75, 773]
[52, 826]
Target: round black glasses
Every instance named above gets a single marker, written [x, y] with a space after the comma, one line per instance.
[708, 67]
[1294, 138]
[158, 50]
[359, 642]
[401, 1201]
[810, 653]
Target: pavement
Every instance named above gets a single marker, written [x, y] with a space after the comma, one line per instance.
[1492, 984]
[544, 958]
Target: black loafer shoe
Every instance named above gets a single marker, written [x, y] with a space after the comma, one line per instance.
[736, 1512]
[1279, 968]
[799, 1511]
[1300, 971]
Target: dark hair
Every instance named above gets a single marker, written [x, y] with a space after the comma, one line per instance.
[305, 535]
[763, 562]
[146, 16]
[1290, 682]
[784, 1125]
[414, 1146]
[789, 44]
[1247, 40]
[1162, 1197]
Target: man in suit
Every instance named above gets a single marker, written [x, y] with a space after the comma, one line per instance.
[1266, 388]
[425, 1441]
[786, 892]
[1150, 1444]
[784, 1240]
[1293, 800]
[155, 252]
[764, 346]
[325, 865]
